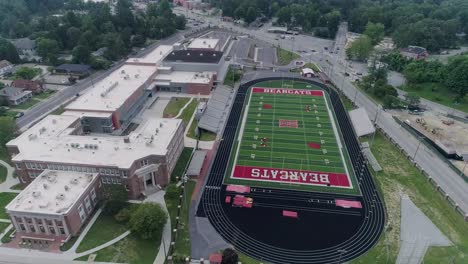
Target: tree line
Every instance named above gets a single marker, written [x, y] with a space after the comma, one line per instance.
[81, 28]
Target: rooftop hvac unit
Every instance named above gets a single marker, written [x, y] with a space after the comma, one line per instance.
[36, 194]
[60, 196]
[66, 188]
[42, 130]
[74, 181]
[45, 186]
[54, 121]
[122, 72]
[126, 140]
[44, 204]
[32, 136]
[137, 75]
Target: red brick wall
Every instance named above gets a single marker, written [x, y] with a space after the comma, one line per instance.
[196, 88]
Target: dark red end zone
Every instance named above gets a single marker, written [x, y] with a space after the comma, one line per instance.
[291, 176]
[287, 91]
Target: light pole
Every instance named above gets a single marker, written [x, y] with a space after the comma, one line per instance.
[417, 148]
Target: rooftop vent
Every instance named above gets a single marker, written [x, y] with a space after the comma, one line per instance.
[66, 188]
[74, 181]
[60, 196]
[45, 186]
[126, 140]
[36, 194]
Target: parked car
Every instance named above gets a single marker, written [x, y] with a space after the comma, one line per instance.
[19, 114]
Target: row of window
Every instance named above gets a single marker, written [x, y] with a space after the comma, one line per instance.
[111, 180]
[42, 166]
[42, 229]
[38, 221]
[87, 205]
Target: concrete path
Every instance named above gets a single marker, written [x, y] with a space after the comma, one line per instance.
[5, 221]
[4, 232]
[158, 197]
[108, 243]
[183, 108]
[72, 250]
[10, 180]
[417, 234]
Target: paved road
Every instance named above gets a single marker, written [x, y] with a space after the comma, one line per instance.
[67, 94]
[266, 55]
[438, 169]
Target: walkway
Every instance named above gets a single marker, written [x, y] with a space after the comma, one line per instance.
[108, 243]
[10, 180]
[183, 108]
[417, 234]
[85, 231]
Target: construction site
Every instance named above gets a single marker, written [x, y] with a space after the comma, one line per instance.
[448, 135]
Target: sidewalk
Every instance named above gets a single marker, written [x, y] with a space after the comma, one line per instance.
[10, 180]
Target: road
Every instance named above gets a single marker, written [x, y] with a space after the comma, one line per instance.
[335, 65]
[65, 95]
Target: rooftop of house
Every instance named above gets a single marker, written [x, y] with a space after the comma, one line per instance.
[13, 93]
[112, 92]
[414, 49]
[52, 192]
[24, 44]
[54, 140]
[203, 43]
[26, 84]
[84, 68]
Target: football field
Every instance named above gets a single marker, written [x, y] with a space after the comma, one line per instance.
[288, 139]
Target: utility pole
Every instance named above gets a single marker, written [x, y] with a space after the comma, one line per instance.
[417, 148]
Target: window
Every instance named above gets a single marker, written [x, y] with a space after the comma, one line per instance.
[62, 231]
[31, 227]
[81, 213]
[28, 165]
[124, 174]
[88, 204]
[52, 230]
[22, 227]
[42, 229]
[144, 163]
[93, 195]
[18, 165]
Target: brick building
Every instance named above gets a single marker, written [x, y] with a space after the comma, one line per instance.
[54, 206]
[141, 161]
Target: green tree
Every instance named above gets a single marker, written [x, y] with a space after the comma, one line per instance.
[148, 220]
[26, 73]
[115, 46]
[7, 131]
[115, 197]
[457, 76]
[180, 22]
[8, 51]
[73, 36]
[230, 256]
[360, 49]
[81, 54]
[375, 31]
[251, 14]
[48, 49]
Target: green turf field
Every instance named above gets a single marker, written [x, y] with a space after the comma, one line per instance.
[290, 135]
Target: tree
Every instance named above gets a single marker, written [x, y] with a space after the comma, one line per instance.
[81, 54]
[457, 76]
[7, 131]
[148, 220]
[73, 36]
[26, 73]
[250, 15]
[115, 46]
[412, 99]
[360, 49]
[8, 51]
[180, 22]
[230, 256]
[375, 31]
[48, 49]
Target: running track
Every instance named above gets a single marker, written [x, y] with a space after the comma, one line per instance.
[364, 235]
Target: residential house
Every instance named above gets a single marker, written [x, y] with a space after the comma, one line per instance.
[5, 67]
[26, 48]
[33, 86]
[79, 70]
[415, 52]
[15, 96]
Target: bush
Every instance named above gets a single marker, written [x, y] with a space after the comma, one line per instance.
[113, 207]
[148, 220]
[124, 215]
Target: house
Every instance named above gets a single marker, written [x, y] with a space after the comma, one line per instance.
[15, 96]
[100, 52]
[5, 67]
[26, 47]
[414, 52]
[79, 70]
[33, 86]
[308, 72]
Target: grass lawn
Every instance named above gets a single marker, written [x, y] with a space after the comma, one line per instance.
[285, 56]
[182, 247]
[437, 93]
[174, 106]
[188, 112]
[104, 229]
[45, 94]
[6, 238]
[181, 164]
[26, 105]
[3, 226]
[204, 135]
[131, 250]
[399, 174]
[5, 199]
[3, 173]
[11, 113]
[18, 186]
[66, 246]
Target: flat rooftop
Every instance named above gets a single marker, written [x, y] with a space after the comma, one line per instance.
[154, 57]
[203, 43]
[52, 140]
[184, 77]
[194, 56]
[88, 114]
[52, 192]
[110, 94]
